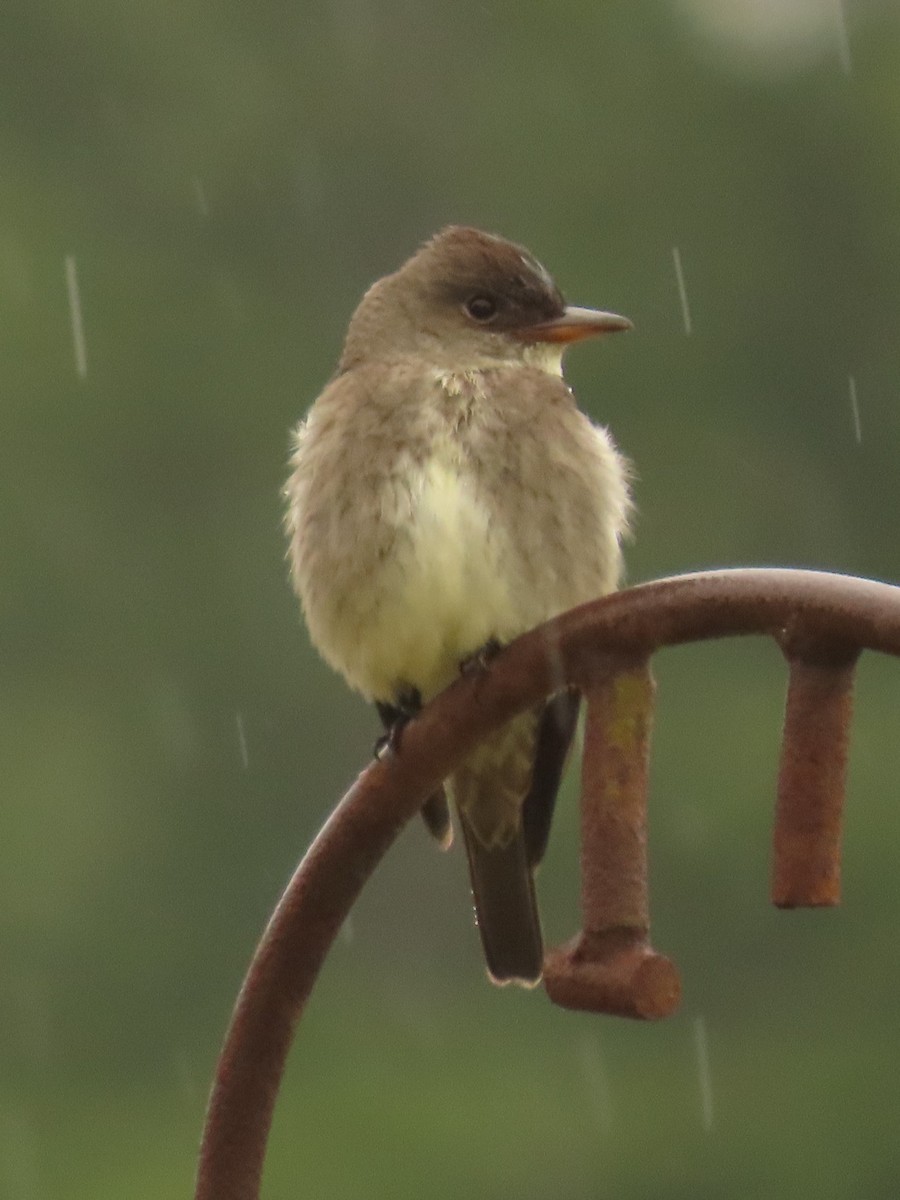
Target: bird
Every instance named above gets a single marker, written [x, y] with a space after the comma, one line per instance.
[446, 494]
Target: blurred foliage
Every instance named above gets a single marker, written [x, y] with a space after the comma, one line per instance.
[228, 178]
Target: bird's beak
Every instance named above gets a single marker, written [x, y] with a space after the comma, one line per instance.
[575, 324]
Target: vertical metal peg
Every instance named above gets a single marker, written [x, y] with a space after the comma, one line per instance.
[611, 967]
[806, 851]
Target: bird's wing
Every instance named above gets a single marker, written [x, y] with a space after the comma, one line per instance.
[556, 730]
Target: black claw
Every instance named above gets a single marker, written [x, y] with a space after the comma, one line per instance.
[409, 700]
[395, 717]
[389, 743]
[381, 746]
[480, 658]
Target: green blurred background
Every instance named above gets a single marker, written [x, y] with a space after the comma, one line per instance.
[224, 180]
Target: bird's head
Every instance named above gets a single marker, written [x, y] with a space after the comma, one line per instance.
[469, 299]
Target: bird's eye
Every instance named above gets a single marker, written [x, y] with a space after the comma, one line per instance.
[481, 308]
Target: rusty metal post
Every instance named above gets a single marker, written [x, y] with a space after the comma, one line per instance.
[806, 849]
[611, 967]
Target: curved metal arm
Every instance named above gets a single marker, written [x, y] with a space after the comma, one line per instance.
[821, 620]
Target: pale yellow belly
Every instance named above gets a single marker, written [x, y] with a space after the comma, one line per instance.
[446, 592]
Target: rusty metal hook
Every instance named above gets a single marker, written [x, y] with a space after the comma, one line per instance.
[821, 621]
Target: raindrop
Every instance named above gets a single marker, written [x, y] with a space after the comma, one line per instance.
[682, 290]
[854, 409]
[200, 196]
[75, 314]
[843, 39]
[242, 739]
[701, 1045]
[596, 1079]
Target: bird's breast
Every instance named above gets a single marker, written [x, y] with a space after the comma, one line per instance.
[447, 592]
[471, 507]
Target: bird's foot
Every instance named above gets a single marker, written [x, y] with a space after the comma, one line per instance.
[395, 717]
[389, 743]
[479, 660]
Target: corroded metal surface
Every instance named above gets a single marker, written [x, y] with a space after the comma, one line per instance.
[806, 838]
[821, 621]
[611, 967]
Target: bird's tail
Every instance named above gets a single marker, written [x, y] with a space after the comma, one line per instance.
[489, 789]
[505, 907]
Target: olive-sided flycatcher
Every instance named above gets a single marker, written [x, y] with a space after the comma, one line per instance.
[447, 495]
